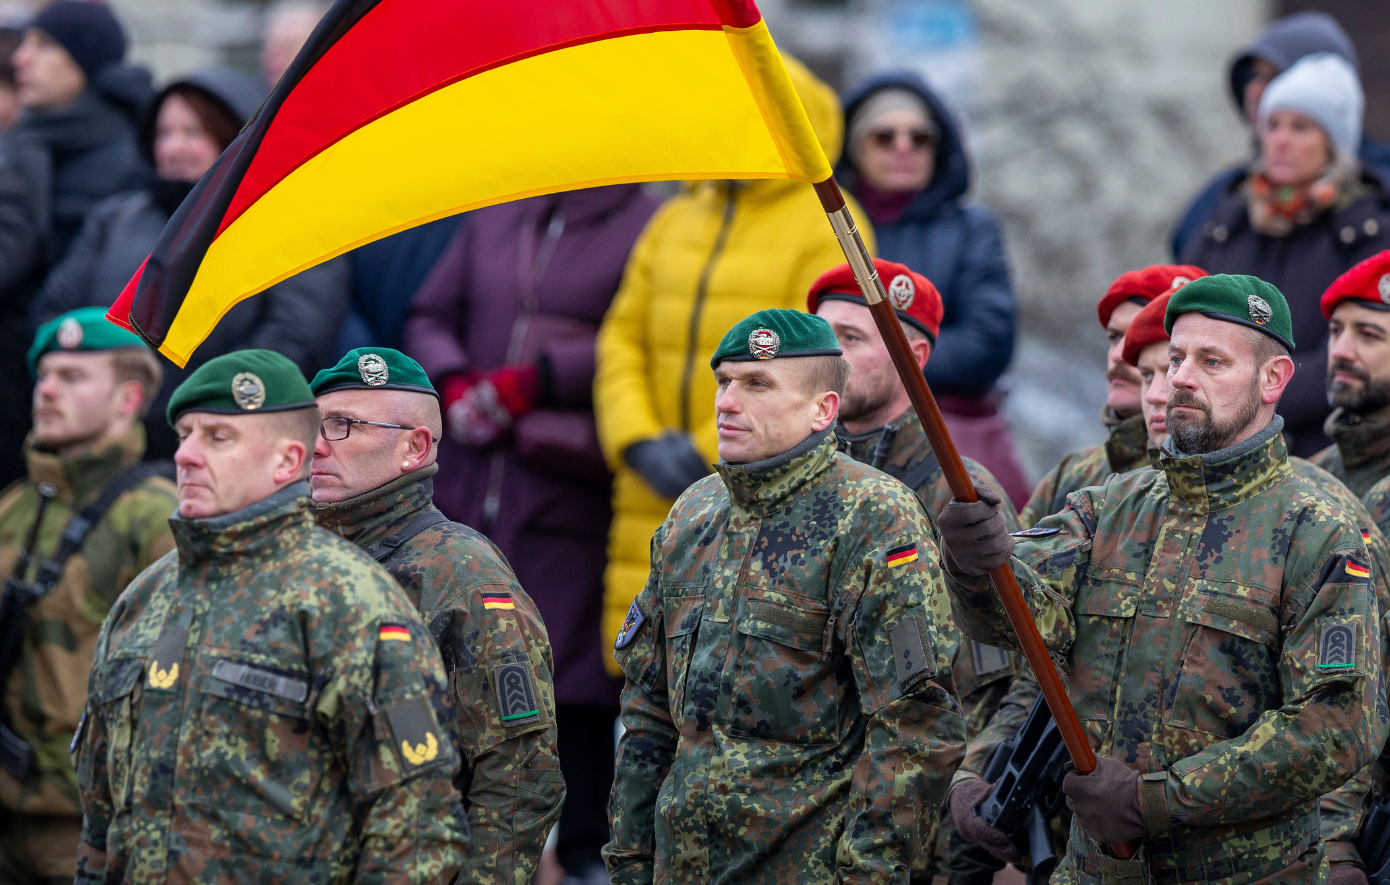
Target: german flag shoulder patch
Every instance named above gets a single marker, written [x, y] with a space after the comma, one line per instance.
[498, 599]
[393, 633]
[900, 556]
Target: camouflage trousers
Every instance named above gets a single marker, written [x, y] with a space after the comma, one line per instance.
[37, 849]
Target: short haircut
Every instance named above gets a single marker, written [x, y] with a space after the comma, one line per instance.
[139, 364]
[822, 373]
[298, 424]
[913, 333]
[1266, 348]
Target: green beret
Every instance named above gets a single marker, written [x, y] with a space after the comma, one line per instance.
[1235, 298]
[769, 334]
[373, 368]
[239, 382]
[83, 329]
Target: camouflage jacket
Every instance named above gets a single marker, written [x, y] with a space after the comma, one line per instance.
[789, 707]
[1124, 450]
[1220, 630]
[497, 657]
[1360, 452]
[1377, 503]
[48, 687]
[263, 706]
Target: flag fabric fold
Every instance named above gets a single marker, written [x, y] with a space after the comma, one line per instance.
[398, 112]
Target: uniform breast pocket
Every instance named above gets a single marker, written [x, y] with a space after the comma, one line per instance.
[1230, 663]
[786, 687]
[116, 703]
[681, 615]
[254, 749]
[1104, 615]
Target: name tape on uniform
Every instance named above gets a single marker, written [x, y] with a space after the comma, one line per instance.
[256, 679]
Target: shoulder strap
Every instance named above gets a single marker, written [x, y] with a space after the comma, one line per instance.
[917, 473]
[387, 547]
[82, 524]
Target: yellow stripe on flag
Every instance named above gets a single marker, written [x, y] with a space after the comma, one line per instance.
[393, 633]
[667, 105]
[1357, 571]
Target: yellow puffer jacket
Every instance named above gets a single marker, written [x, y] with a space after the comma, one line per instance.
[708, 258]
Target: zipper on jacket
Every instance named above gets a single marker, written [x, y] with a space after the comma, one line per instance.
[701, 293]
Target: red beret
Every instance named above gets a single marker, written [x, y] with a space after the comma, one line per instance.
[1145, 285]
[912, 295]
[1367, 282]
[1146, 328]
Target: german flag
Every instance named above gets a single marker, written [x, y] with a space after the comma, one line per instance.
[501, 600]
[1357, 570]
[393, 633]
[399, 112]
[903, 555]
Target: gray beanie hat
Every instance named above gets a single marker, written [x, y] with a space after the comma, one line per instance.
[1323, 87]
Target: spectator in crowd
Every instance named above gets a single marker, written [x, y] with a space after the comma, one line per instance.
[505, 328]
[10, 39]
[1276, 48]
[75, 141]
[713, 254]
[288, 25]
[906, 163]
[1303, 213]
[189, 124]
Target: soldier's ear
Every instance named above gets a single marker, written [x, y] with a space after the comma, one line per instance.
[827, 409]
[1275, 375]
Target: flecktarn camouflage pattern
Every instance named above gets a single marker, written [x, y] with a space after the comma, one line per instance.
[1125, 449]
[264, 707]
[497, 657]
[1360, 452]
[789, 705]
[1221, 637]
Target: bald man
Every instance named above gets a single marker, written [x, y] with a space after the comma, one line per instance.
[371, 482]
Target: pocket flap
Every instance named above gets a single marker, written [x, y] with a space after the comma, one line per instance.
[789, 625]
[118, 678]
[683, 614]
[1114, 595]
[1236, 613]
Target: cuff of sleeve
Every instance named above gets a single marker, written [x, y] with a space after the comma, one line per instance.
[960, 777]
[632, 873]
[1153, 802]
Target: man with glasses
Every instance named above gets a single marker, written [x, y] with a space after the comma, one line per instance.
[372, 483]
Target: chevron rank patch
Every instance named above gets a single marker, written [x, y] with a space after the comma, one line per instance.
[909, 652]
[413, 727]
[900, 556]
[1036, 533]
[631, 624]
[1337, 647]
[516, 697]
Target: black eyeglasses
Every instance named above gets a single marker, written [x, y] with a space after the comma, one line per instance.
[338, 427]
[886, 138]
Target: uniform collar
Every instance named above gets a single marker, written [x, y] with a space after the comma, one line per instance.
[1361, 439]
[252, 529]
[763, 486]
[371, 516]
[1126, 446]
[81, 476]
[1230, 476]
[903, 441]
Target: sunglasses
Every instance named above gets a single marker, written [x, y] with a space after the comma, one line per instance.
[885, 138]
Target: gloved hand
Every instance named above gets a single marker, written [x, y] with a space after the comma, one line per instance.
[668, 463]
[1347, 874]
[965, 810]
[482, 408]
[1106, 801]
[974, 537]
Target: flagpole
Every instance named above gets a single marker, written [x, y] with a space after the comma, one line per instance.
[1030, 640]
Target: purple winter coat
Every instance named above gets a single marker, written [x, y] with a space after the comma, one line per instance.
[546, 509]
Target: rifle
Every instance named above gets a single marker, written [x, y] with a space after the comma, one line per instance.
[1374, 844]
[16, 756]
[1027, 772]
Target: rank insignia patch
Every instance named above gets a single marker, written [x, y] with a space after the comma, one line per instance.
[393, 633]
[502, 600]
[1036, 533]
[165, 656]
[631, 624]
[414, 730]
[909, 654]
[899, 556]
[1337, 647]
[515, 696]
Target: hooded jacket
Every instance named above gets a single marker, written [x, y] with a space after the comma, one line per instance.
[712, 255]
[955, 244]
[298, 317]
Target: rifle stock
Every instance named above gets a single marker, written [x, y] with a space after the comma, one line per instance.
[1030, 640]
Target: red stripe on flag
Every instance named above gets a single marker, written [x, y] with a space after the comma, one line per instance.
[120, 311]
[405, 49]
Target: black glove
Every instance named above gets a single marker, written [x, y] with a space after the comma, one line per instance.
[668, 463]
[965, 810]
[974, 537]
[1106, 801]
[1347, 874]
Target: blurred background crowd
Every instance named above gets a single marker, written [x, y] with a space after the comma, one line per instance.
[1019, 154]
